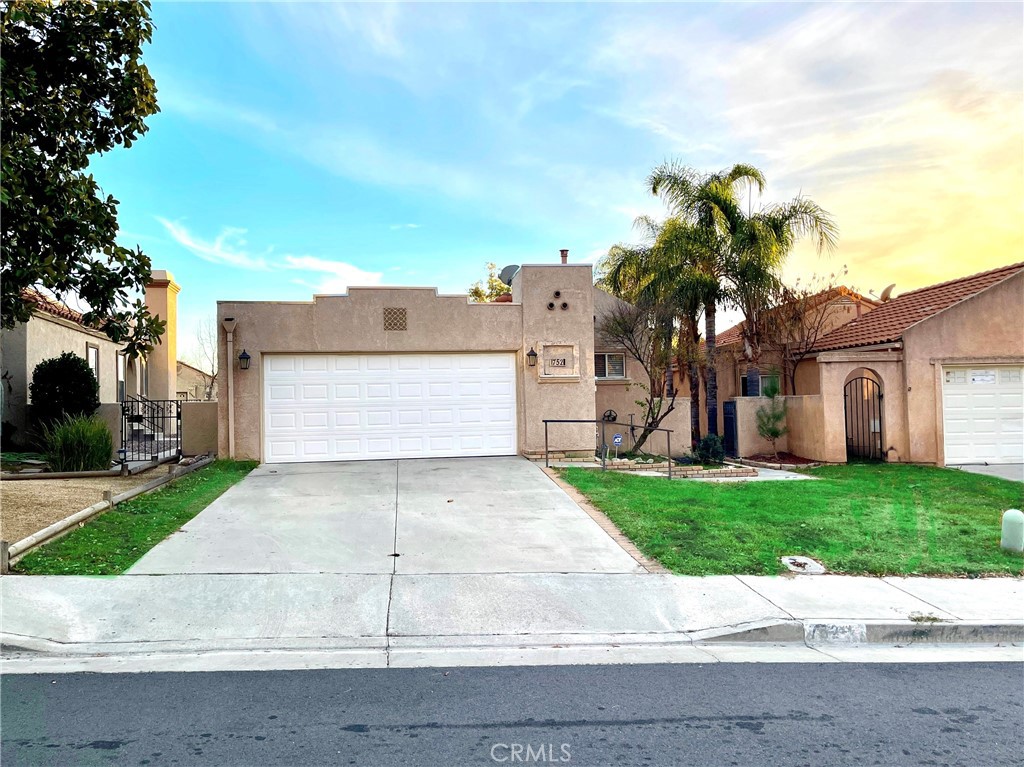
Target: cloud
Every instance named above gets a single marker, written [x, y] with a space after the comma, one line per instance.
[404, 226]
[228, 248]
[340, 275]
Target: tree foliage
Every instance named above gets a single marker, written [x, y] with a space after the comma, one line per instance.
[63, 387]
[771, 417]
[72, 85]
[481, 293]
[645, 335]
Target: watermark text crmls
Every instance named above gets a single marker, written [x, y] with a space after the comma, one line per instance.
[529, 753]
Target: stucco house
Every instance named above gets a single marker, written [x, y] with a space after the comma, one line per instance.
[935, 376]
[55, 328]
[824, 312]
[193, 383]
[392, 372]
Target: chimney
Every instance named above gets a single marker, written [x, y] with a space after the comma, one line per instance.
[162, 302]
[565, 255]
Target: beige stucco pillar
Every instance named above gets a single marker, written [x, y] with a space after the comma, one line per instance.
[162, 301]
[558, 323]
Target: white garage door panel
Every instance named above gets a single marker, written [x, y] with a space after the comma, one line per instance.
[350, 407]
[983, 414]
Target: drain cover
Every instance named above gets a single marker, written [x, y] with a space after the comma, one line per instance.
[804, 565]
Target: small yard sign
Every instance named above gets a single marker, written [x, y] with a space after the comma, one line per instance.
[617, 440]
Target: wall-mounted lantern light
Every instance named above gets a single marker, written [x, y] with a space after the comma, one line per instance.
[531, 358]
[243, 360]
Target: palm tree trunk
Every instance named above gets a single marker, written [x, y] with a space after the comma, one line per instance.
[753, 380]
[694, 373]
[712, 387]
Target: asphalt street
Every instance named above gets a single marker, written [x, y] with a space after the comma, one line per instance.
[723, 714]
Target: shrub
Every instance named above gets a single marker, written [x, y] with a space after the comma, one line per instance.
[78, 444]
[710, 449]
[63, 387]
[771, 417]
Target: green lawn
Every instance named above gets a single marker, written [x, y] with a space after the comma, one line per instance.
[861, 518]
[112, 542]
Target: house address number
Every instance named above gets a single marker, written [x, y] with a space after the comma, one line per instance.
[557, 362]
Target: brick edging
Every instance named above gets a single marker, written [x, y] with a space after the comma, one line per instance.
[606, 524]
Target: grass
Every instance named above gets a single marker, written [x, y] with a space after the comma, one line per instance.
[862, 518]
[112, 542]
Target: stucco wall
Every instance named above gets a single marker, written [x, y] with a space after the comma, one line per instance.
[353, 323]
[545, 397]
[805, 422]
[983, 329]
[198, 427]
[835, 368]
[41, 338]
[748, 441]
[110, 413]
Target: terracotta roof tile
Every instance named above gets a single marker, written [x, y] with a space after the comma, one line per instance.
[44, 303]
[734, 335]
[887, 323]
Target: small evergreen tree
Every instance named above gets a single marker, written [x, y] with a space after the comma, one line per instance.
[63, 387]
[771, 417]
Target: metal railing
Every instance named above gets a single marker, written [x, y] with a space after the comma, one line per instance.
[604, 440]
[149, 428]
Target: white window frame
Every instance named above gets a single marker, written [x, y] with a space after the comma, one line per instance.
[607, 377]
[121, 375]
[93, 366]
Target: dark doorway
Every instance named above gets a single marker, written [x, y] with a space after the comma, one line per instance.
[862, 398]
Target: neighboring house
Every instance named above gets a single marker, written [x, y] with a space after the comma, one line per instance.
[935, 375]
[55, 328]
[390, 372]
[826, 311]
[193, 383]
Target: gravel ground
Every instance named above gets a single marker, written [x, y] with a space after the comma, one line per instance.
[27, 506]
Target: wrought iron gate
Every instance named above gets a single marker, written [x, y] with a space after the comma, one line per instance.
[862, 399]
[150, 428]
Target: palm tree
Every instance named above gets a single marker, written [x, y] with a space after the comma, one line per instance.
[666, 272]
[744, 248]
[701, 199]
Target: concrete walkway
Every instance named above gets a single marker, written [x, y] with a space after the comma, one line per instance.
[192, 622]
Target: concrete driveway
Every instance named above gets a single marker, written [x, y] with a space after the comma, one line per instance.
[441, 516]
[1014, 471]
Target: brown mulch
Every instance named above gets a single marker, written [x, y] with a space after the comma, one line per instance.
[784, 457]
[27, 506]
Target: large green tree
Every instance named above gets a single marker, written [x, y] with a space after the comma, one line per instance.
[746, 245]
[73, 85]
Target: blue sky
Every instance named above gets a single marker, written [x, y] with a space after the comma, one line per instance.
[303, 148]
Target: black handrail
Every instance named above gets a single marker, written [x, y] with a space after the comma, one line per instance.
[604, 442]
[156, 417]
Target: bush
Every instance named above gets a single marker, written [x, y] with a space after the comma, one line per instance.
[710, 449]
[79, 444]
[63, 387]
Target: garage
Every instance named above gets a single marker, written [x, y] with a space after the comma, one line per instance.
[983, 414]
[342, 407]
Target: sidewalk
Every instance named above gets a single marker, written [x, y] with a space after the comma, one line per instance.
[193, 622]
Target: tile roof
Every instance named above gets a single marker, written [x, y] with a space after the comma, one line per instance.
[44, 303]
[887, 323]
[734, 335]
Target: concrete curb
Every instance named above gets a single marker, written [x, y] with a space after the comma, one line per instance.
[832, 632]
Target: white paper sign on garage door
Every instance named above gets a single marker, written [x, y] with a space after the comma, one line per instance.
[320, 407]
[983, 414]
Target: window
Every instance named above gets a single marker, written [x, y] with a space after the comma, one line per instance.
[92, 356]
[121, 375]
[609, 365]
[765, 379]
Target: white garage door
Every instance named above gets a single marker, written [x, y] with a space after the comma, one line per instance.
[323, 407]
[983, 414]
